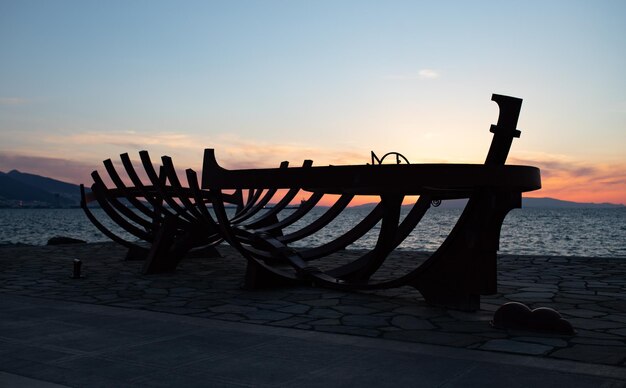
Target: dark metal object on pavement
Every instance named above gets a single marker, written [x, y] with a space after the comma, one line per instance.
[518, 316]
[76, 269]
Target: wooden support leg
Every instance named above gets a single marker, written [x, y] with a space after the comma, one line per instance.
[159, 258]
[465, 266]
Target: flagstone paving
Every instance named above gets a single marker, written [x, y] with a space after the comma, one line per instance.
[589, 292]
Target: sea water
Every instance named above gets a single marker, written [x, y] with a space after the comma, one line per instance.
[530, 231]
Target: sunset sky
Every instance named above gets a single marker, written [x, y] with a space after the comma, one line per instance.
[266, 81]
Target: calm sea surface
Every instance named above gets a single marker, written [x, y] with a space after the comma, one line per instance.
[568, 232]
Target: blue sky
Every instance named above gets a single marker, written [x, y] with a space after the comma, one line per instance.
[264, 81]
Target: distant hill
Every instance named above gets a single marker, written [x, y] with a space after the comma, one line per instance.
[44, 183]
[547, 203]
[20, 189]
[557, 203]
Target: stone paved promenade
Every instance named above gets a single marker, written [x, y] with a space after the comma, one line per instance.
[589, 292]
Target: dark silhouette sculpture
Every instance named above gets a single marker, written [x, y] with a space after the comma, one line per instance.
[179, 219]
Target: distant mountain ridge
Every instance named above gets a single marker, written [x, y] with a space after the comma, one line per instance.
[557, 203]
[19, 189]
[537, 203]
[44, 183]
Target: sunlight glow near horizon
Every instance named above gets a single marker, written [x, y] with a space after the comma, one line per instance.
[266, 81]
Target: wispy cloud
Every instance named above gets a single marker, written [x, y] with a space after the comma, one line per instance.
[423, 74]
[237, 152]
[13, 101]
[234, 151]
[566, 178]
[128, 139]
[428, 74]
[185, 149]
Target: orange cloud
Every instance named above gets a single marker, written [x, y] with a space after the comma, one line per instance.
[574, 180]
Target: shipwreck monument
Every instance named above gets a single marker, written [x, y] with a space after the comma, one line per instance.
[170, 219]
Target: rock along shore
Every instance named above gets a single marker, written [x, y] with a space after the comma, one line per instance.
[588, 292]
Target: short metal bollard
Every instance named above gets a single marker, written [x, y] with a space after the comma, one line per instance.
[77, 266]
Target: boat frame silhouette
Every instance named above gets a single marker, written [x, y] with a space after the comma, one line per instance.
[181, 219]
